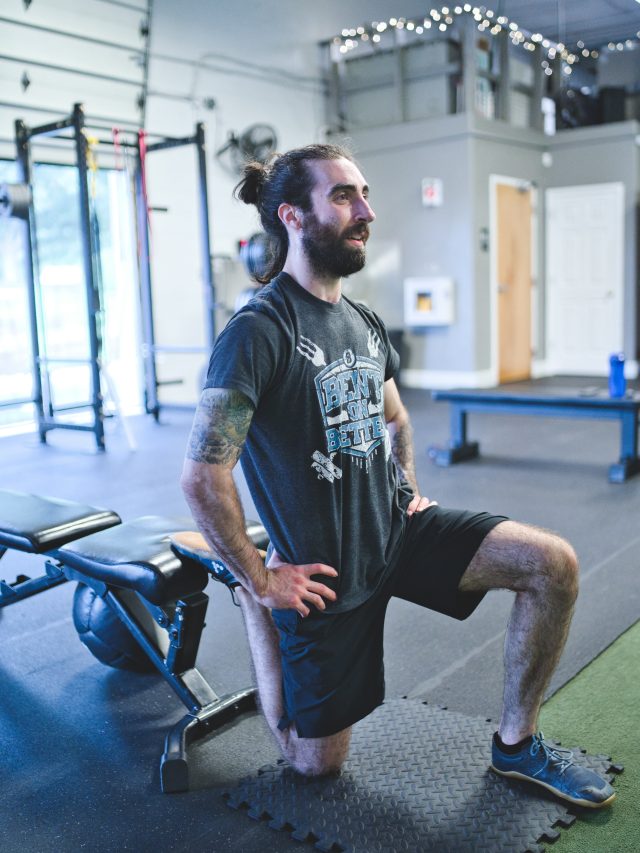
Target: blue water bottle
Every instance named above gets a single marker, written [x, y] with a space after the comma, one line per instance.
[617, 382]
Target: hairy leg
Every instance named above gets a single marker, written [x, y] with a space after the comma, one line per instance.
[311, 756]
[542, 569]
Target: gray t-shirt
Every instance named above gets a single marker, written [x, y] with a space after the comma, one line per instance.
[317, 458]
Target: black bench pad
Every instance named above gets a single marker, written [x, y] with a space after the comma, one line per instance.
[37, 524]
[137, 555]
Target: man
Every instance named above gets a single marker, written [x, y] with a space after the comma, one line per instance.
[301, 389]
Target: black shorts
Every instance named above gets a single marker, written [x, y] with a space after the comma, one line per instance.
[332, 664]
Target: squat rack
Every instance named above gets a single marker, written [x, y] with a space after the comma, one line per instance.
[45, 409]
[150, 347]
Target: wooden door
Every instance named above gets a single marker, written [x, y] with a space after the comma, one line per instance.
[514, 282]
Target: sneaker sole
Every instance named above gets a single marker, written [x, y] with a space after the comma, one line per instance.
[577, 801]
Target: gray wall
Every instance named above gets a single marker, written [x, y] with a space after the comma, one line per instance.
[431, 241]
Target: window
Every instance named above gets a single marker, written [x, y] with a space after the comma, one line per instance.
[64, 335]
[16, 382]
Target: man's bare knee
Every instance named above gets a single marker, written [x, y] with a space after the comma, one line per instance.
[556, 568]
[313, 766]
[318, 756]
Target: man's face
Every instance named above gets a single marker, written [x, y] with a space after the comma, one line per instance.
[336, 229]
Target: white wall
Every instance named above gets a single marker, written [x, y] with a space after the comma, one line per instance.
[52, 93]
[243, 96]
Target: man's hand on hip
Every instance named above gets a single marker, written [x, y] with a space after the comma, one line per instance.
[288, 586]
[419, 504]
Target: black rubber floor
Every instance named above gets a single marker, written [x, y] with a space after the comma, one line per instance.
[80, 744]
[417, 779]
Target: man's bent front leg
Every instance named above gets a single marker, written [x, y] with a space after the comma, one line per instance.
[542, 569]
[310, 756]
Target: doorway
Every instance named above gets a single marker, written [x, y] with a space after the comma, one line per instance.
[584, 281]
[512, 264]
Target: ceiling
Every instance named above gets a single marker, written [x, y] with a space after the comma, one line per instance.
[596, 22]
[277, 29]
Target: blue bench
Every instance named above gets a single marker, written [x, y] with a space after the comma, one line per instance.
[547, 401]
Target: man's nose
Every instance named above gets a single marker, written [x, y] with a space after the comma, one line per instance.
[365, 211]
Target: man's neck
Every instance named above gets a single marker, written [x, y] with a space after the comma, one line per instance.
[326, 288]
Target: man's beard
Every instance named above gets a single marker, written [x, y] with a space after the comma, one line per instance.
[327, 250]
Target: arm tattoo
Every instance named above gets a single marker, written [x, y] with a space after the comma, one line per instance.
[220, 427]
[402, 450]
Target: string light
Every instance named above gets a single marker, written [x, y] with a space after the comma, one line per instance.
[486, 18]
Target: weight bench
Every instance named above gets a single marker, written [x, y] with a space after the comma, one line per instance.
[565, 402]
[128, 574]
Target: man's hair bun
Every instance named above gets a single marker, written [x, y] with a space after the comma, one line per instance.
[249, 188]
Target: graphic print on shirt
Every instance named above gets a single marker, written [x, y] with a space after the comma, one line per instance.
[311, 351]
[373, 343]
[324, 467]
[350, 393]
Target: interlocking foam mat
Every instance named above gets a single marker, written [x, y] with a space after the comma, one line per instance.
[417, 779]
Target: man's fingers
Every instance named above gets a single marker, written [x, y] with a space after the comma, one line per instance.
[319, 569]
[425, 502]
[323, 590]
[413, 506]
[419, 504]
[317, 600]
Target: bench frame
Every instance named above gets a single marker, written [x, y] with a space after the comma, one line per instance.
[169, 634]
[495, 401]
[183, 624]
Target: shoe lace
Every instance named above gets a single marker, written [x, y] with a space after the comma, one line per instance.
[562, 758]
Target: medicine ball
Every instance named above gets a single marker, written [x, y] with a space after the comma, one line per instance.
[105, 634]
[256, 253]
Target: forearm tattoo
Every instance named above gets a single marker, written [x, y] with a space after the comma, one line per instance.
[220, 427]
[402, 449]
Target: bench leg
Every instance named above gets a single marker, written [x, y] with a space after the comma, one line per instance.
[629, 463]
[459, 449]
[174, 769]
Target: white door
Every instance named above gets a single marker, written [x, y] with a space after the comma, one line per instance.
[584, 277]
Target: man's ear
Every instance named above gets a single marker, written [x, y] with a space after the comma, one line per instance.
[290, 216]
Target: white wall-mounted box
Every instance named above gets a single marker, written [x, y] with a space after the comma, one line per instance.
[428, 301]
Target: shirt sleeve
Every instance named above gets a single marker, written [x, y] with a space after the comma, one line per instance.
[246, 355]
[393, 359]
[392, 363]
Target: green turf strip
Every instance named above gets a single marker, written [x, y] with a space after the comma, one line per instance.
[599, 710]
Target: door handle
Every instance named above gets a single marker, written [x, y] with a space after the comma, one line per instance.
[503, 288]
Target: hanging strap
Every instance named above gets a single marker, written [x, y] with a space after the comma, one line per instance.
[92, 162]
[117, 149]
[142, 147]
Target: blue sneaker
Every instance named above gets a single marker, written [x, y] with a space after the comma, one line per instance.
[556, 770]
[195, 547]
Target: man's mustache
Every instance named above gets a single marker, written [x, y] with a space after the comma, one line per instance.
[359, 233]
